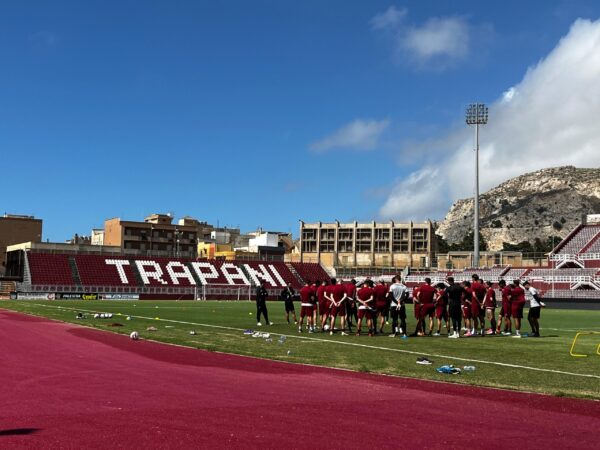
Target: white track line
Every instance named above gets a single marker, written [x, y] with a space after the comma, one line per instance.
[353, 344]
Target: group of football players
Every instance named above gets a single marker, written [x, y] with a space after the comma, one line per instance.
[334, 305]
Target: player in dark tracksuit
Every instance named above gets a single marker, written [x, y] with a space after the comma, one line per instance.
[287, 295]
[261, 304]
[454, 292]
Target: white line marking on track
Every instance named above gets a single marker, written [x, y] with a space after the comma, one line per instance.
[353, 344]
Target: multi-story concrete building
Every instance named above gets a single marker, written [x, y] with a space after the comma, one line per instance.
[15, 229]
[156, 236]
[371, 244]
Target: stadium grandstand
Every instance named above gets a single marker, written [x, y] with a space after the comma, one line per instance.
[71, 275]
[572, 271]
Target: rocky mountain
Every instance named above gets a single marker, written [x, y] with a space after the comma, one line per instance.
[548, 202]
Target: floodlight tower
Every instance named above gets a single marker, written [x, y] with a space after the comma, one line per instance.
[477, 114]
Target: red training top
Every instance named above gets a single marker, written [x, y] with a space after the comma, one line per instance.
[505, 294]
[306, 295]
[350, 289]
[517, 295]
[490, 298]
[426, 293]
[467, 296]
[479, 290]
[365, 294]
[380, 292]
[321, 293]
[338, 292]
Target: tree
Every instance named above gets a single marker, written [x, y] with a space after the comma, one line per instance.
[468, 243]
[442, 244]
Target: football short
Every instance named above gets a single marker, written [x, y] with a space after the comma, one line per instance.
[517, 310]
[475, 309]
[506, 310]
[381, 308]
[324, 308]
[365, 313]
[289, 306]
[306, 310]
[338, 311]
[441, 313]
[427, 309]
[417, 310]
[466, 312]
[534, 313]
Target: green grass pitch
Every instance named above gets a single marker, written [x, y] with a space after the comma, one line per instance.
[541, 365]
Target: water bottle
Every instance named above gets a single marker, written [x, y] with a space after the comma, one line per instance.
[281, 339]
[469, 368]
[269, 340]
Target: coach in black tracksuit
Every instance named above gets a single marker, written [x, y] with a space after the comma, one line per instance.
[261, 304]
[454, 292]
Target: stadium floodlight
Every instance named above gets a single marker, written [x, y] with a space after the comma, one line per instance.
[477, 114]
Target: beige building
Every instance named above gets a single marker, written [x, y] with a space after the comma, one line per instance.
[155, 236]
[15, 229]
[464, 260]
[371, 244]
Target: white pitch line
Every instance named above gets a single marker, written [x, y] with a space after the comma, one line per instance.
[353, 344]
[569, 329]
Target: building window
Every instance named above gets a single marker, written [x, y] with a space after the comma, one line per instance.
[400, 240]
[382, 240]
[420, 240]
[345, 246]
[327, 240]
[309, 241]
[363, 240]
[345, 240]
[327, 235]
[327, 246]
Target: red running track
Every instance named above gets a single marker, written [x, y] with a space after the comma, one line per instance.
[65, 386]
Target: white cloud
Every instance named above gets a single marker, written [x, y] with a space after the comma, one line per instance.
[445, 37]
[415, 197]
[357, 135]
[437, 43]
[549, 119]
[391, 18]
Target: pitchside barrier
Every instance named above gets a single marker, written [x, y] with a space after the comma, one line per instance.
[202, 292]
[583, 333]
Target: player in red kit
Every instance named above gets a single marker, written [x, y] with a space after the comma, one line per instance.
[466, 306]
[328, 304]
[339, 307]
[425, 299]
[489, 302]
[505, 311]
[416, 307]
[477, 308]
[380, 291]
[307, 303]
[517, 302]
[315, 287]
[365, 298]
[441, 308]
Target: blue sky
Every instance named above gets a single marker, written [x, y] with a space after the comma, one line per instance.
[261, 113]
